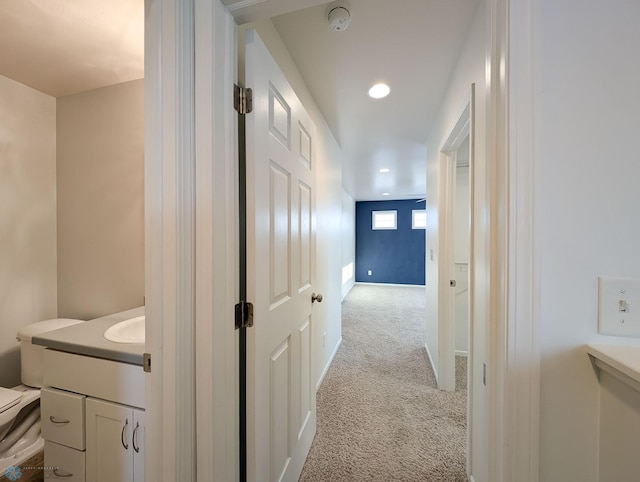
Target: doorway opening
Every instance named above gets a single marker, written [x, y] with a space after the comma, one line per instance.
[461, 253]
[449, 273]
[452, 362]
[455, 269]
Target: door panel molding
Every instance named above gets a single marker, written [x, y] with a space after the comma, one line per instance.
[281, 419]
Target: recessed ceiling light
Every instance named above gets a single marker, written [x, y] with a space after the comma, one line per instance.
[379, 91]
[383, 169]
[385, 193]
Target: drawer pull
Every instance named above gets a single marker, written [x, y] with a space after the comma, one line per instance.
[61, 476]
[59, 421]
[124, 428]
[135, 436]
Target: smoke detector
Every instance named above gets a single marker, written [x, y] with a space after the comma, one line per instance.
[338, 16]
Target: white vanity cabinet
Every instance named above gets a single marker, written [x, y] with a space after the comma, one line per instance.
[115, 436]
[63, 463]
[63, 428]
[93, 419]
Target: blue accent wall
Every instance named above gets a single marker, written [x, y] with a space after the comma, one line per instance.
[393, 256]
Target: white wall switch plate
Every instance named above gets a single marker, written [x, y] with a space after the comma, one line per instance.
[619, 306]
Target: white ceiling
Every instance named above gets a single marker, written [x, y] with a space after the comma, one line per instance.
[61, 47]
[66, 46]
[411, 45]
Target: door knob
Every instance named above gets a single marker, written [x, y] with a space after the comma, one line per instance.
[316, 297]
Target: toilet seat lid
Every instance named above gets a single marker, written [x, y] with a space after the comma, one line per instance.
[8, 398]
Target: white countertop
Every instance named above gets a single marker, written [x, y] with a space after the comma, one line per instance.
[88, 339]
[625, 359]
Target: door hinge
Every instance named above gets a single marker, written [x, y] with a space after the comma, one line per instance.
[146, 362]
[244, 315]
[242, 99]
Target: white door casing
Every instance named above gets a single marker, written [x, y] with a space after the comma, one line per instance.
[465, 126]
[190, 213]
[446, 265]
[281, 406]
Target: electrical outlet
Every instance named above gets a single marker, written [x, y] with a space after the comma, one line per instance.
[369, 272]
[619, 306]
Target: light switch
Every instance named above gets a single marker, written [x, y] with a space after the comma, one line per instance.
[619, 306]
[623, 306]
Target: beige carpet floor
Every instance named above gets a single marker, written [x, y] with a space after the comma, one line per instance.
[380, 416]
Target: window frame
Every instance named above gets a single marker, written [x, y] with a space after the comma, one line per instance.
[413, 218]
[384, 228]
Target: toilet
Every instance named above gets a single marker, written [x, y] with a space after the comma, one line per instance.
[20, 406]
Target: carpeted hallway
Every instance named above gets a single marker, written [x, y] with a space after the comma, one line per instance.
[380, 417]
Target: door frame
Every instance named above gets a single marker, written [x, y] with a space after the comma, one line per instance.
[463, 127]
[191, 249]
[177, 309]
[446, 296]
[514, 353]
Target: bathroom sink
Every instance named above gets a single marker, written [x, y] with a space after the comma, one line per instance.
[127, 331]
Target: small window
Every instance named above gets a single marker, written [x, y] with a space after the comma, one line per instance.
[384, 220]
[419, 219]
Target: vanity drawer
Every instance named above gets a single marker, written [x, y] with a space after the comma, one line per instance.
[63, 463]
[62, 415]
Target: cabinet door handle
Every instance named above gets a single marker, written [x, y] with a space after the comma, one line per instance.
[61, 476]
[122, 440]
[59, 421]
[134, 438]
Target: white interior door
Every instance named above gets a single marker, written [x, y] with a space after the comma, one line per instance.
[281, 404]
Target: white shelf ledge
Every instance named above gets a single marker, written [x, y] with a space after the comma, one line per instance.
[621, 362]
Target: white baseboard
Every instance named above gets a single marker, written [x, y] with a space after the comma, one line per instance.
[326, 368]
[433, 366]
[350, 285]
[390, 284]
[462, 353]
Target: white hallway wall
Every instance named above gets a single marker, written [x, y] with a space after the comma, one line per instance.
[348, 240]
[587, 202]
[470, 69]
[328, 206]
[28, 284]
